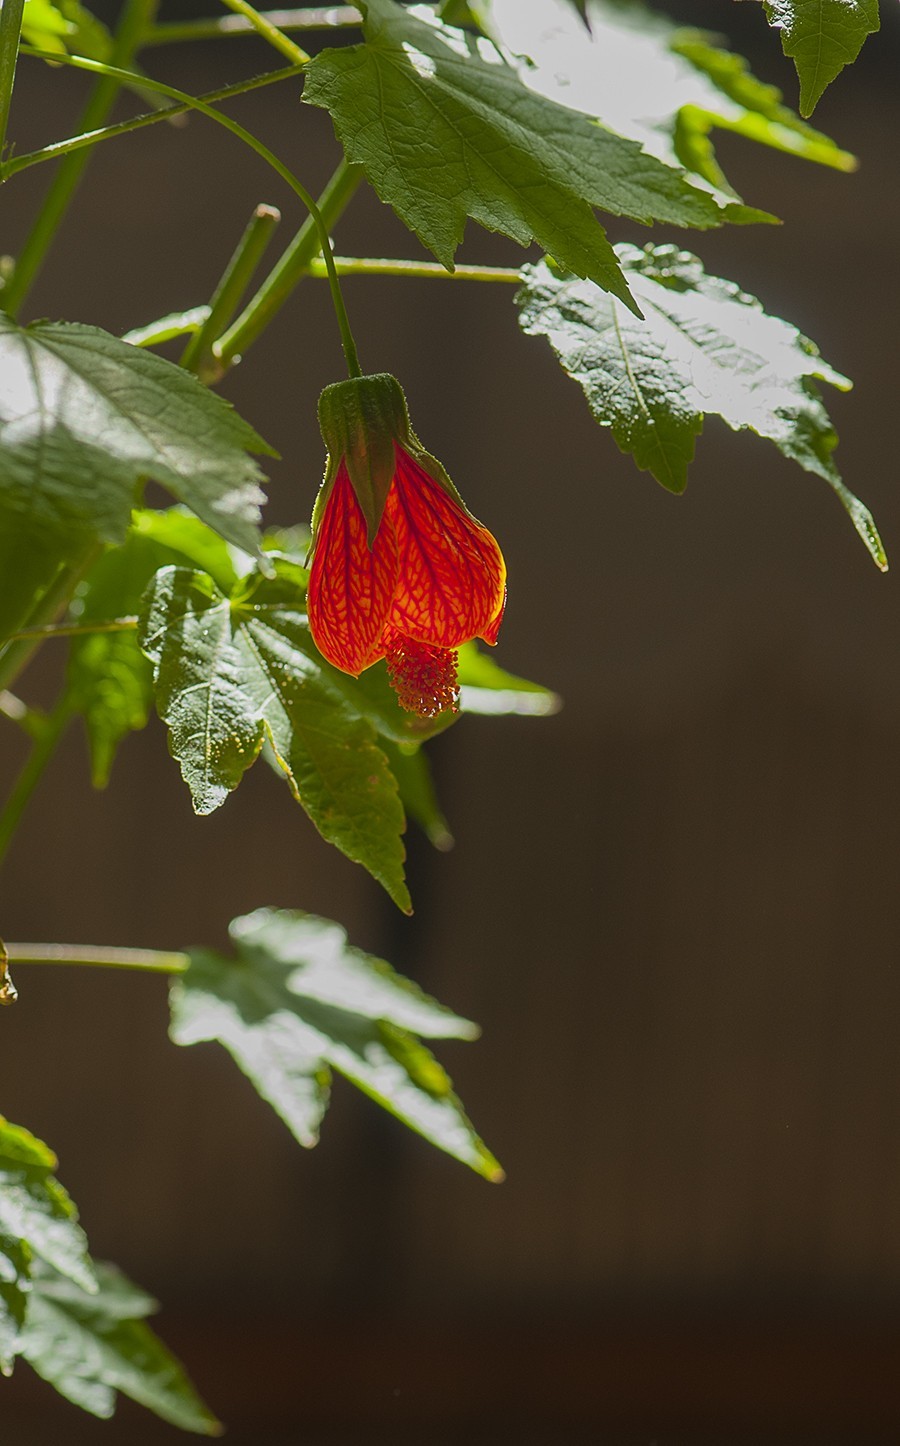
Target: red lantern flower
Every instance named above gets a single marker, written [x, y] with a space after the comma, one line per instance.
[400, 568]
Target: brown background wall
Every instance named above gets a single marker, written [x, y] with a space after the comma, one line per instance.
[673, 908]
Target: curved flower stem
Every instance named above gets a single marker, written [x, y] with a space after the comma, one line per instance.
[317, 17]
[290, 269]
[137, 15]
[86, 139]
[10, 30]
[264, 27]
[262, 150]
[198, 354]
[385, 266]
[97, 956]
[46, 739]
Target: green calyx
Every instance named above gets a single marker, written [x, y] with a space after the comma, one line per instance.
[360, 420]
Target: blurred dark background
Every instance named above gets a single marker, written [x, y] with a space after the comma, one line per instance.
[673, 907]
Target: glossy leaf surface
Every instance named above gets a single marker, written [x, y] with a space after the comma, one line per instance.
[706, 348]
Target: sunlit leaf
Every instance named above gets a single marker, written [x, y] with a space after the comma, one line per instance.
[36, 1210]
[297, 1002]
[110, 681]
[648, 79]
[84, 417]
[231, 673]
[821, 37]
[488, 147]
[89, 1347]
[706, 348]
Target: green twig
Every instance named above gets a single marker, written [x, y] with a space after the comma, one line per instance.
[58, 149]
[45, 743]
[10, 29]
[167, 328]
[99, 68]
[385, 266]
[264, 27]
[290, 269]
[30, 720]
[153, 961]
[137, 15]
[198, 354]
[318, 17]
[14, 655]
[75, 630]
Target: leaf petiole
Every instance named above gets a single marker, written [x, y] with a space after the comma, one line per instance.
[74, 630]
[198, 354]
[319, 17]
[386, 266]
[263, 26]
[153, 961]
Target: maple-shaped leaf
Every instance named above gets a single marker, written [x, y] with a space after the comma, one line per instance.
[705, 348]
[91, 1346]
[231, 673]
[84, 417]
[488, 147]
[821, 37]
[15, 1284]
[109, 679]
[653, 81]
[35, 1210]
[298, 1002]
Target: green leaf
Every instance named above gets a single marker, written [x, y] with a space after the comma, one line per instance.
[91, 1346]
[84, 416]
[110, 681]
[706, 348]
[43, 26]
[230, 674]
[821, 37]
[15, 1283]
[36, 1210]
[298, 1002]
[660, 85]
[486, 688]
[491, 149]
[412, 771]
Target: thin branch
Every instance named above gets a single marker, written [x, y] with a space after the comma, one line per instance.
[122, 128]
[153, 961]
[137, 15]
[385, 266]
[10, 29]
[319, 17]
[272, 33]
[74, 630]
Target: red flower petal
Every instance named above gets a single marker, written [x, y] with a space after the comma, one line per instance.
[452, 577]
[350, 588]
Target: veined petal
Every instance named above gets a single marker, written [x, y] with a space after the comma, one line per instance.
[350, 587]
[452, 577]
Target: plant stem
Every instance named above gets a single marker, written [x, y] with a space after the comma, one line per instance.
[154, 961]
[255, 144]
[264, 27]
[57, 149]
[15, 654]
[45, 743]
[320, 17]
[10, 30]
[166, 328]
[385, 266]
[290, 269]
[75, 630]
[137, 15]
[198, 354]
